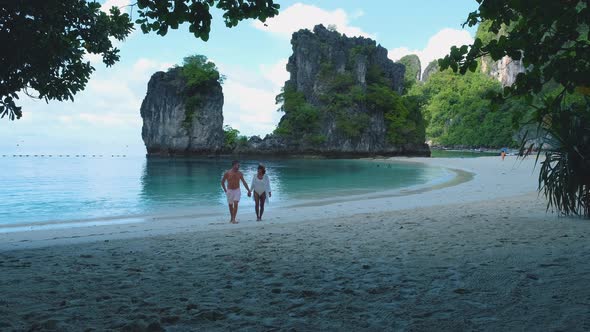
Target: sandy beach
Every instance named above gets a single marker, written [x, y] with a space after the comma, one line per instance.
[476, 253]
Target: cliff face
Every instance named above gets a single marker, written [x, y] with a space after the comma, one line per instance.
[171, 127]
[504, 70]
[327, 72]
[430, 69]
[413, 67]
[311, 50]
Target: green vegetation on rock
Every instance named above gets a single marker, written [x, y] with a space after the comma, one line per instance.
[459, 114]
[405, 123]
[402, 115]
[232, 138]
[351, 104]
[341, 96]
[198, 72]
[302, 119]
[359, 50]
[431, 68]
[413, 68]
[352, 125]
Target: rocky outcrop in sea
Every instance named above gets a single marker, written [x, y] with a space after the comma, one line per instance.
[320, 58]
[177, 121]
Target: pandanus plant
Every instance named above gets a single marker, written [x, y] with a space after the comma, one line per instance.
[564, 176]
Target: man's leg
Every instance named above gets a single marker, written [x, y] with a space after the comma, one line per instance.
[231, 212]
[235, 211]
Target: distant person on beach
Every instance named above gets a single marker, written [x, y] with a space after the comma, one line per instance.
[503, 154]
[233, 193]
[260, 186]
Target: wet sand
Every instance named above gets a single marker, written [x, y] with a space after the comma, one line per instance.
[481, 255]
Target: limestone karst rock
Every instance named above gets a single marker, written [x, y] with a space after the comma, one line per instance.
[326, 68]
[430, 69]
[413, 67]
[171, 126]
[503, 70]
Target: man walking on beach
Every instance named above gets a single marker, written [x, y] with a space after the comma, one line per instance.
[233, 193]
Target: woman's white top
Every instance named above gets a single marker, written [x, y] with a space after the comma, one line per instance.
[260, 185]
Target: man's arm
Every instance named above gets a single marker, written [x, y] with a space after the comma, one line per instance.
[251, 186]
[244, 182]
[223, 182]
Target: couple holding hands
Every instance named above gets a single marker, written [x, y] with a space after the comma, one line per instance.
[260, 186]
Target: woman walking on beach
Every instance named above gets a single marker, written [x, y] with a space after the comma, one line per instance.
[261, 187]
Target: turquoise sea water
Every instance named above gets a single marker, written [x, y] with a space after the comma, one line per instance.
[42, 189]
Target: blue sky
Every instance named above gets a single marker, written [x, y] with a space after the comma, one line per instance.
[105, 117]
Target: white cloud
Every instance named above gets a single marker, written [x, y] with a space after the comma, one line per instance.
[106, 111]
[116, 93]
[119, 90]
[93, 58]
[302, 16]
[144, 65]
[254, 103]
[241, 74]
[437, 47]
[106, 6]
[397, 53]
[276, 73]
[110, 89]
[109, 119]
[357, 13]
[143, 68]
[250, 97]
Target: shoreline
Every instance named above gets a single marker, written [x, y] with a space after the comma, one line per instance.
[217, 210]
[472, 174]
[213, 206]
[459, 177]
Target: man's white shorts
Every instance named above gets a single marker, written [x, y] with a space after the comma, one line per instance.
[233, 195]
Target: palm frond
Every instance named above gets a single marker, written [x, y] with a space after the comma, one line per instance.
[564, 176]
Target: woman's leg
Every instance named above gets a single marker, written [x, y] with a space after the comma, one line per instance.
[262, 200]
[256, 205]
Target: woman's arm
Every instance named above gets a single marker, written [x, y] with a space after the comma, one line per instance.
[267, 184]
